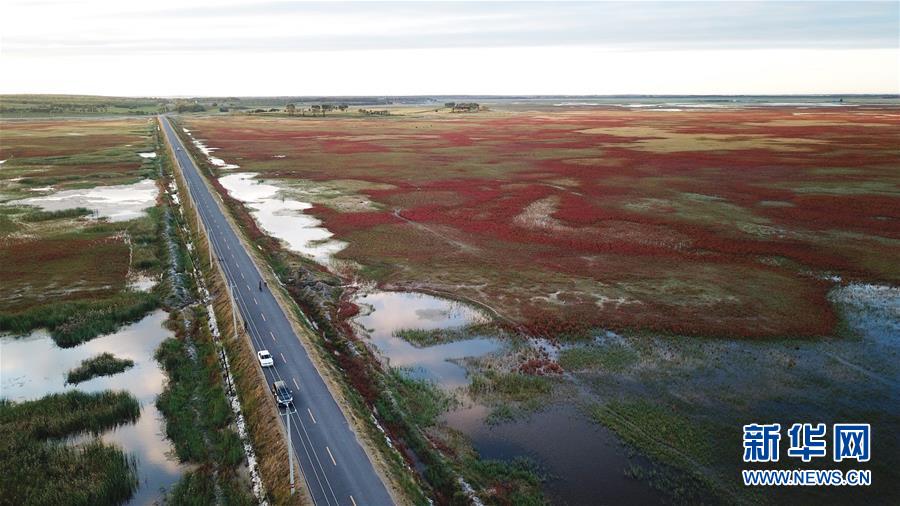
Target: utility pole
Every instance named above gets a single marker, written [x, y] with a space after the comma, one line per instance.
[234, 311]
[290, 447]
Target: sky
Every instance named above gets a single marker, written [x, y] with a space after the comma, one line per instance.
[257, 48]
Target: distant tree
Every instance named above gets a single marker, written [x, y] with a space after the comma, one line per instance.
[450, 105]
[291, 109]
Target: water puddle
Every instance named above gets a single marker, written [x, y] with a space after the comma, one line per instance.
[283, 218]
[384, 313]
[117, 203]
[33, 366]
[206, 150]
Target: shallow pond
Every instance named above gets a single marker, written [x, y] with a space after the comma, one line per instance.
[33, 366]
[283, 218]
[583, 460]
[384, 313]
[117, 203]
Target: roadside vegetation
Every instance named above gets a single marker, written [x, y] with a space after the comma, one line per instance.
[104, 364]
[198, 418]
[36, 467]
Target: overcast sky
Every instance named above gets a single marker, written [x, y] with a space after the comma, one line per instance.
[235, 47]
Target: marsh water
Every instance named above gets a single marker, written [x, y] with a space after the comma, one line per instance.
[581, 460]
[584, 462]
[116, 203]
[383, 313]
[283, 218]
[34, 366]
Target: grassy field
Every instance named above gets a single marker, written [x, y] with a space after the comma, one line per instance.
[668, 227]
[62, 269]
[26, 106]
[714, 223]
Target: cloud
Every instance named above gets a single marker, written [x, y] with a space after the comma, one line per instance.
[298, 26]
[407, 48]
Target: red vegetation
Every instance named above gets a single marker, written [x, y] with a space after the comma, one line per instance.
[687, 237]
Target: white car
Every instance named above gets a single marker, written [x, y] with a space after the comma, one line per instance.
[265, 358]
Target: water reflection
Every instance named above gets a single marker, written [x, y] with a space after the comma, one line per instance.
[386, 312]
[117, 203]
[283, 218]
[33, 366]
[584, 461]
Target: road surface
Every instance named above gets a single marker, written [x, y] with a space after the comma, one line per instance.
[335, 467]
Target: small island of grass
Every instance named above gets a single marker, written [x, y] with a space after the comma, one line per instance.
[105, 364]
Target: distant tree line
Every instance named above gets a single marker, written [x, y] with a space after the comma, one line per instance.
[182, 106]
[463, 106]
[375, 112]
[315, 109]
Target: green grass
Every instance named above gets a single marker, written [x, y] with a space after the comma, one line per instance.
[36, 216]
[63, 414]
[196, 410]
[422, 400]
[609, 357]
[515, 482]
[661, 432]
[93, 474]
[195, 488]
[37, 468]
[512, 386]
[72, 323]
[104, 364]
[7, 225]
[423, 338]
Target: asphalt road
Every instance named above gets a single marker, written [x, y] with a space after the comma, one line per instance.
[335, 467]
